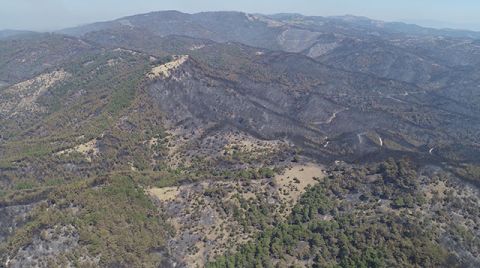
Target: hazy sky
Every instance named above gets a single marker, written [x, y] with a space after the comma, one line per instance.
[56, 14]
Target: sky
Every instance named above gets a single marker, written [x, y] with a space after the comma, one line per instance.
[49, 15]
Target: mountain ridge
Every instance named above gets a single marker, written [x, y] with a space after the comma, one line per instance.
[452, 32]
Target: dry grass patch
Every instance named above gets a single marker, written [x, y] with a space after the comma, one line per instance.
[164, 70]
[294, 182]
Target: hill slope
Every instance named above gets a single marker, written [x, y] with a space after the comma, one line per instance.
[228, 139]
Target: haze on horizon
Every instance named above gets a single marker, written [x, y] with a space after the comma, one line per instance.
[50, 15]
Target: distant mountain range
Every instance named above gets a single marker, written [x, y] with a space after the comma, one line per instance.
[12, 33]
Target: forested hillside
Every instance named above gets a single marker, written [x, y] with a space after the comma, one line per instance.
[225, 139]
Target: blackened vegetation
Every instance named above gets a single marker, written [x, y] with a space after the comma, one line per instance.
[74, 174]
